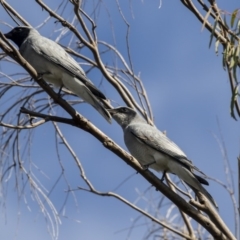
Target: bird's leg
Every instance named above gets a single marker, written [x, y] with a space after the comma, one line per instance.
[163, 176]
[60, 89]
[146, 166]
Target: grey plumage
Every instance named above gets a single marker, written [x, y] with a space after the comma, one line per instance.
[152, 148]
[57, 66]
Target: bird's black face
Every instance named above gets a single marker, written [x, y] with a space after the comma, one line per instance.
[18, 35]
[122, 111]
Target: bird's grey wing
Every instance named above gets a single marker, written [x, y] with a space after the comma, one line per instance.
[158, 141]
[54, 53]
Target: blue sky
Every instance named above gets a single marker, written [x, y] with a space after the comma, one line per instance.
[190, 96]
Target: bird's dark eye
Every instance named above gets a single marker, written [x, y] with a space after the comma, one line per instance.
[17, 30]
[124, 110]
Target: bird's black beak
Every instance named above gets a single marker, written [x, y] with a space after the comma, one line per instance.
[112, 111]
[8, 35]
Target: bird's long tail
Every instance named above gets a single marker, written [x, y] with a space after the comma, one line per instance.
[81, 90]
[95, 102]
[193, 182]
[97, 105]
[207, 194]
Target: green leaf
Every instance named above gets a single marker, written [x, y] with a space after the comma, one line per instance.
[236, 60]
[232, 39]
[238, 28]
[237, 51]
[233, 99]
[216, 46]
[224, 63]
[235, 70]
[232, 62]
[234, 15]
[225, 56]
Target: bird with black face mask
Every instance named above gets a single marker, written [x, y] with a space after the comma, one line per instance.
[153, 149]
[56, 66]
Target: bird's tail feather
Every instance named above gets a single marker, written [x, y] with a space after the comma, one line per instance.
[102, 111]
[208, 195]
[84, 92]
[194, 182]
[201, 180]
[91, 99]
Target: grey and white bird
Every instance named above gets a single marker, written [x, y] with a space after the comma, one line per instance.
[56, 66]
[152, 148]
